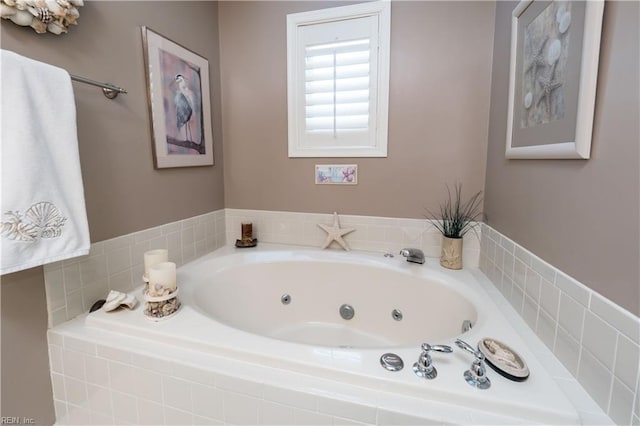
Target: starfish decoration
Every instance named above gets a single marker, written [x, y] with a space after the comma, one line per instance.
[548, 85]
[537, 60]
[335, 233]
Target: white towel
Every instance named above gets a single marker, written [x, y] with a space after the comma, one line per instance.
[43, 216]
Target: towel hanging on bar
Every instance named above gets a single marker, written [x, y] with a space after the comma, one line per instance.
[44, 218]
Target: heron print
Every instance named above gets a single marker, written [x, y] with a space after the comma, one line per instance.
[182, 101]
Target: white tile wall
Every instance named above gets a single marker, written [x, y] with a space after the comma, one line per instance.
[96, 384]
[379, 234]
[595, 339]
[73, 285]
[209, 395]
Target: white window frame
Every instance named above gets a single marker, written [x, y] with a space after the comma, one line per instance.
[295, 81]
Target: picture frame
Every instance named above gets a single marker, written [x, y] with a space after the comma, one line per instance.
[179, 103]
[336, 174]
[555, 49]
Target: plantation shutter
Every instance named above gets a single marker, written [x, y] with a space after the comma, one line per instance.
[337, 100]
[337, 87]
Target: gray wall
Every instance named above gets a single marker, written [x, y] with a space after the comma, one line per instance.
[438, 111]
[123, 191]
[25, 361]
[581, 216]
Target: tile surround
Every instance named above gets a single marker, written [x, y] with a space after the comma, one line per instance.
[99, 385]
[595, 339]
[378, 234]
[73, 285]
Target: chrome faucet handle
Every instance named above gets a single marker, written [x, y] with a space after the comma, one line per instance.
[476, 375]
[467, 347]
[413, 255]
[424, 366]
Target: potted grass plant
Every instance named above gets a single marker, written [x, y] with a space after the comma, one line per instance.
[456, 218]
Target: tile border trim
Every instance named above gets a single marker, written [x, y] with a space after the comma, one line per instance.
[594, 338]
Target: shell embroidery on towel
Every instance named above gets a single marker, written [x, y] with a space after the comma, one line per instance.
[41, 220]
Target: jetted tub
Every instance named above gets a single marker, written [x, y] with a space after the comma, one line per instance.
[297, 297]
[276, 310]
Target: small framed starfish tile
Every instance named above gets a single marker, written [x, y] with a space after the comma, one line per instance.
[335, 233]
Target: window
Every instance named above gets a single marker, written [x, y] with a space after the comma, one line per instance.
[338, 81]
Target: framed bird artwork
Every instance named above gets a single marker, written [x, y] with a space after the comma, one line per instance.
[179, 103]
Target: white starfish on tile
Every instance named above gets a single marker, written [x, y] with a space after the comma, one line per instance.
[335, 233]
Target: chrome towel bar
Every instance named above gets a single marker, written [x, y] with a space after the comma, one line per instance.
[109, 90]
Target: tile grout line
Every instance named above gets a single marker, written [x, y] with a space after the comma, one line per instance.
[613, 374]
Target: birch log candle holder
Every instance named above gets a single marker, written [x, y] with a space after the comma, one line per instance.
[161, 296]
[247, 231]
[247, 239]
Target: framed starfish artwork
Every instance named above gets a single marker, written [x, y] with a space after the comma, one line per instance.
[179, 103]
[336, 174]
[555, 48]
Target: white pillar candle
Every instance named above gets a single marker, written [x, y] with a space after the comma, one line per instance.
[154, 257]
[162, 279]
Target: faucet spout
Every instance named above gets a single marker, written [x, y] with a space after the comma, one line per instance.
[413, 255]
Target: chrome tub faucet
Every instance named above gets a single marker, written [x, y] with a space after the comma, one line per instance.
[424, 366]
[476, 375]
[413, 255]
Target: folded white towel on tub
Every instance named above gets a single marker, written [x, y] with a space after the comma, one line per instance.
[42, 200]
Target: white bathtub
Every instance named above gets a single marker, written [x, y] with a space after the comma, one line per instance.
[317, 284]
[232, 314]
